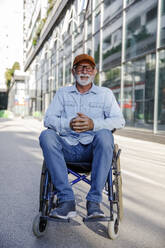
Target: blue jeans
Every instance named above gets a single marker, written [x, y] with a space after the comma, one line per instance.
[57, 152]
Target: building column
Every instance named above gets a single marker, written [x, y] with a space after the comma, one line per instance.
[155, 128]
[63, 71]
[101, 43]
[123, 55]
[57, 60]
[92, 28]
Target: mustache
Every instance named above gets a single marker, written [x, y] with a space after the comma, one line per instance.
[84, 75]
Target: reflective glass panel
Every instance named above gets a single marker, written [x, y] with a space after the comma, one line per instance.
[112, 43]
[96, 3]
[141, 26]
[97, 47]
[97, 19]
[112, 80]
[161, 96]
[162, 35]
[139, 83]
[68, 67]
[89, 46]
[60, 75]
[89, 26]
[111, 9]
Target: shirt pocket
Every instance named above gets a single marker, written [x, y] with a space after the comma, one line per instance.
[69, 108]
[96, 109]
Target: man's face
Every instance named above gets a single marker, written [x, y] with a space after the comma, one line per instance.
[84, 73]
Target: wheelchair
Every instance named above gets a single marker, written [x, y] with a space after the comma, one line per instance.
[80, 171]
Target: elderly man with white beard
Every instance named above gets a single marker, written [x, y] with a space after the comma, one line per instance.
[80, 121]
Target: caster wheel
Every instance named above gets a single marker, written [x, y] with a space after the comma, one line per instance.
[39, 226]
[113, 228]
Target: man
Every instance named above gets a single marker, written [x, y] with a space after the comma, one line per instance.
[80, 119]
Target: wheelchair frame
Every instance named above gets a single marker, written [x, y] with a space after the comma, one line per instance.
[113, 189]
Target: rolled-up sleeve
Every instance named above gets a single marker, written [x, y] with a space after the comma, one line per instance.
[113, 117]
[53, 117]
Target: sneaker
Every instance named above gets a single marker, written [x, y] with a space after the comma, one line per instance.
[93, 210]
[65, 210]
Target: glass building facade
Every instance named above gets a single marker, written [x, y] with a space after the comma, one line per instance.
[127, 40]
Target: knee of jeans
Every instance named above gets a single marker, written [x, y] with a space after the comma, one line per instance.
[104, 138]
[48, 137]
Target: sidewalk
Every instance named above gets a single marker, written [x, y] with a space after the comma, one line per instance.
[141, 134]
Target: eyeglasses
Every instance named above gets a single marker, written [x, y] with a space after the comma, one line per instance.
[80, 68]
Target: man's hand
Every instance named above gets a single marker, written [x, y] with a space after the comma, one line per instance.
[81, 123]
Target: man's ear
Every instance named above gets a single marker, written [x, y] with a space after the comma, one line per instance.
[95, 71]
[73, 72]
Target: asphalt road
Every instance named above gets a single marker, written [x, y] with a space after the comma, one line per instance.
[143, 170]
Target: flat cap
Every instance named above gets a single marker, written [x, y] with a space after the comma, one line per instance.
[83, 57]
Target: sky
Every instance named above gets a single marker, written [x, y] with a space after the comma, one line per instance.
[11, 37]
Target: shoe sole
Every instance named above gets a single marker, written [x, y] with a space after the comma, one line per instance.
[96, 215]
[71, 214]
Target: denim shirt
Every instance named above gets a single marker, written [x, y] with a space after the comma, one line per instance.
[98, 103]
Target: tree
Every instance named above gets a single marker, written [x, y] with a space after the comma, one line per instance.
[9, 73]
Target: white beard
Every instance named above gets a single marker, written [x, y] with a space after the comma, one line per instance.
[84, 82]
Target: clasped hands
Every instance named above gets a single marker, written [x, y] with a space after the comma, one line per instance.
[81, 123]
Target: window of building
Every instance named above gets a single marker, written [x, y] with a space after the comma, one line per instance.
[89, 46]
[161, 95]
[163, 7]
[162, 34]
[112, 40]
[134, 25]
[89, 26]
[139, 86]
[111, 10]
[108, 2]
[151, 14]
[112, 79]
[107, 42]
[97, 47]
[97, 20]
[140, 34]
[96, 3]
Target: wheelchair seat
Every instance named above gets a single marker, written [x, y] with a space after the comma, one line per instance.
[80, 167]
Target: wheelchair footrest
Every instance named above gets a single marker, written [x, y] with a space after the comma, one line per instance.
[57, 219]
[86, 219]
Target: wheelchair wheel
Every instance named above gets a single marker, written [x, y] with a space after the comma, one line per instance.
[118, 183]
[116, 205]
[46, 202]
[113, 227]
[39, 225]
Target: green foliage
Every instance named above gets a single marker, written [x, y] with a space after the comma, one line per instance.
[113, 73]
[16, 66]
[51, 5]
[9, 73]
[37, 115]
[38, 31]
[34, 42]
[142, 35]
[112, 51]
[5, 114]
[42, 23]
